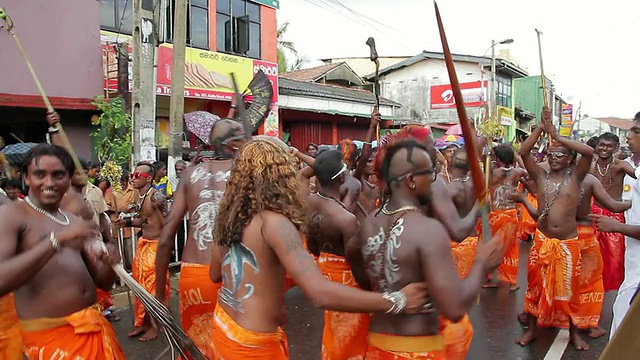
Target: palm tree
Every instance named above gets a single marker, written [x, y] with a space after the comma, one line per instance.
[285, 48]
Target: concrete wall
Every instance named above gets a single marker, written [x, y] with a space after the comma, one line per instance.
[61, 39]
[411, 85]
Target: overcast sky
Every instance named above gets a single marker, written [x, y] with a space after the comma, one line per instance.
[591, 52]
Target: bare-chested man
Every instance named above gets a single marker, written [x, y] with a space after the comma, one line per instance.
[332, 225]
[505, 177]
[257, 238]
[610, 172]
[369, 196]
[199, 194]
[590, 297]
[48, 260]
[401, 246]
[555, 253]
[458, 335]
[151, 213]
[10, 338]
[87, 201]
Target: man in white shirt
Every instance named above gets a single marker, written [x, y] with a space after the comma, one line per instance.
[631, 230]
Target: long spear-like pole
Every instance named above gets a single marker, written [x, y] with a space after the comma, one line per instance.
[470, 141]
[543, 79]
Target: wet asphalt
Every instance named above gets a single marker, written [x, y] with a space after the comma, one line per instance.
[494, 321]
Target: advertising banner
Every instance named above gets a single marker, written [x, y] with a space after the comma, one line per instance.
[472, 93]
[207, 73]
[505, 115]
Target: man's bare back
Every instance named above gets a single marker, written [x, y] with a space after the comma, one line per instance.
[404, 264]
[203, 189]
[328, 224]
[504, 181]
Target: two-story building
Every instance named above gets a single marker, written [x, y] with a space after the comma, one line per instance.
[63, 46]
[223, 37]
[421, 84]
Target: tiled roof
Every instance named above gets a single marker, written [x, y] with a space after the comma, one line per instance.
[623, 124]
[311, 74]
[304, 88]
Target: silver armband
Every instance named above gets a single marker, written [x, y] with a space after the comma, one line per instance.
[398, 301]
[54, 242]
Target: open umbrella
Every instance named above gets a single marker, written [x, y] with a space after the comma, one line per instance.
[200, 123]
[452, 139]
[454, 130]
[16, 153]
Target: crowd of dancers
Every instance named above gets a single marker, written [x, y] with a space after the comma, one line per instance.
[388, 240]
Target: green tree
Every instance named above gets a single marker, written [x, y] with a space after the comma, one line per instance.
[288, 58]
[112, 131]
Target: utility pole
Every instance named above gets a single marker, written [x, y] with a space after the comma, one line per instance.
[492, 108]
[177, 84]
[143, 97]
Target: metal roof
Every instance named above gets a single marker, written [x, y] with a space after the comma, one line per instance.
[303, 88]
[501, 64]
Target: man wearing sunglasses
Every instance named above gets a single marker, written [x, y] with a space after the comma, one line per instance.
[552, 292]
[151, 212]
[400, 245]
[201, 189]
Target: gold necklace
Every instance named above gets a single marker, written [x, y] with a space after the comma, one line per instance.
[399, 210]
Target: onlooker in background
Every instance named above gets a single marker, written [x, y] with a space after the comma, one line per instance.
[180, 166]
[93, 172]
[161, 181]
[13, 189]
[312, 149]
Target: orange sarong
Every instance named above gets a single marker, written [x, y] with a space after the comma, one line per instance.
[554, 279]
[464, 254]
[508, 270]
[10, 338]
[232, 342]
[345, 334]
[591, 291]
[527, 225]
[394, 347]
[458, 336]
[83, 335]
[198, 297]
[612, 250]
[144, 272]
[104, 299]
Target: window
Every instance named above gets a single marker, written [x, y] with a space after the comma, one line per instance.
[503, 91]
[117, 15]
[238, 27]
[197, 23]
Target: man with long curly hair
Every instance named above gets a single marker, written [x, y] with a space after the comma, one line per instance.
[199, 196]
[402, 245]
[257, 240]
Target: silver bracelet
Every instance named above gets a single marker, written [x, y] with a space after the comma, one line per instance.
[53, 130]
[398, 301]
[54, 242]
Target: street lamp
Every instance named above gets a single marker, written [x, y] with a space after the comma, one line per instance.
[492, 98]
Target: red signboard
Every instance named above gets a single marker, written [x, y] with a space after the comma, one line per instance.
[472, 93]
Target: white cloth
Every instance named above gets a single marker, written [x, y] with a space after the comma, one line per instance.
[631, 191]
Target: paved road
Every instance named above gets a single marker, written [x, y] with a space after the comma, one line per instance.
[494, 321]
